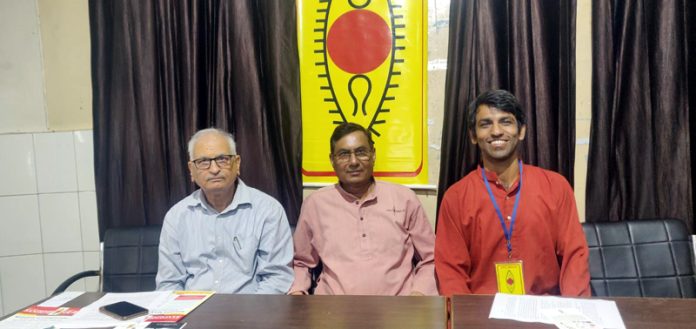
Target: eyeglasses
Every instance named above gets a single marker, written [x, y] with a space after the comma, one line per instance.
[223, 161]
[360, 154]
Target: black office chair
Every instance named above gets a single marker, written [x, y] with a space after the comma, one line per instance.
[129, 261]
[641, 258]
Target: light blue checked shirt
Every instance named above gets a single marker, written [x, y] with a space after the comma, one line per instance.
[246, 248]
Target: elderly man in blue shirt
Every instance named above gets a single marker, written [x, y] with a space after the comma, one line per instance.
[226, 236]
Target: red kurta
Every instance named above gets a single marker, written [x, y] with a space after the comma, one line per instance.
[547, 236]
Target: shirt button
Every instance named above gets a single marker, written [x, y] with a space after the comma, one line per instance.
[508, 217]
[217, 282]
[364, 235]
[220, 261]
[361, 218]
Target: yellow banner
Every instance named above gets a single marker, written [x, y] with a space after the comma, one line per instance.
[364, 61]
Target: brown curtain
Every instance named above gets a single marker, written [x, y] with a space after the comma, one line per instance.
[162, 70]
[526, 47]
[640, 149]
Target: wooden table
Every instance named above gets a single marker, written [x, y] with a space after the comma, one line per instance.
[266, 311]
[278, 311]
[637, 313]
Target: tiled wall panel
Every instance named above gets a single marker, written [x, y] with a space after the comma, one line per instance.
[20, 231]
[17, 165]
[49, 227]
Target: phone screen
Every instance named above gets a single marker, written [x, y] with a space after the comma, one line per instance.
[123, 310]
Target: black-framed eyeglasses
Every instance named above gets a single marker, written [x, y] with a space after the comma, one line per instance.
[223, 161]
[360, 154]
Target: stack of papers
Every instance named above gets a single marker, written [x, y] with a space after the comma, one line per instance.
[177, 305]
[164, 306]
[565, 313]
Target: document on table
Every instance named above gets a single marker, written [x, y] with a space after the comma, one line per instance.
[178, 305]
[43, 315]
[148, 300]
[527, 308]
[62, 298]
[87, 317]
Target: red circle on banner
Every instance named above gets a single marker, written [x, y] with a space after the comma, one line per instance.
[359, 41]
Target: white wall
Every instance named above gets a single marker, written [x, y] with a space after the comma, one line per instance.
[21, 73]
[48, 216]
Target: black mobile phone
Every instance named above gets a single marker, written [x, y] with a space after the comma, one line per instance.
[123, 310]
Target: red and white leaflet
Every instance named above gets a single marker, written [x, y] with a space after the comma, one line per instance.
[37, 310]
[178, 305]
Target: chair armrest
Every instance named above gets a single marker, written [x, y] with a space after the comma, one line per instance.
[72, 279]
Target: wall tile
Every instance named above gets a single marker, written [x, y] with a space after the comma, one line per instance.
[22, 279]
[60, 266]
[89, 221]
[60, 222]
[20, 230]
[92, 260]
[17, 165]
[84, 155]
[55, 162]
[2, 310]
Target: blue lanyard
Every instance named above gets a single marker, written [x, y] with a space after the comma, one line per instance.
[508, 233]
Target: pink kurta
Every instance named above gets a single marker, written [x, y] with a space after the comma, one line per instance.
[367, 247]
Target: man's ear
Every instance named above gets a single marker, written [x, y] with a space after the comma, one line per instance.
[472, 136]
[523, 132]
[191, 168]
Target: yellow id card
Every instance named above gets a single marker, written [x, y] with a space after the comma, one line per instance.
[510, 278]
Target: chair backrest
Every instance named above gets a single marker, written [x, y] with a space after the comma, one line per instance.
[130, 259]
[645, 258]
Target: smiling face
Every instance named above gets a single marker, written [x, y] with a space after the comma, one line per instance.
[353, 160]
[215, 179]
[497, 133]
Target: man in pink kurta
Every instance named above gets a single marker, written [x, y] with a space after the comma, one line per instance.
[372, 238]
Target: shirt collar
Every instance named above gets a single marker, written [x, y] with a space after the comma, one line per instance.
[242, 196]
[492, 178]
[371, 194]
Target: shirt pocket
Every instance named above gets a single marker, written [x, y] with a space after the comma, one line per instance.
[392, 232]
[243, 250]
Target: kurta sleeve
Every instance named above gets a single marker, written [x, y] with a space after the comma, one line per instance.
[171, 272]
[424, 243]
[572, 248]
[306, 257]
[452, 259]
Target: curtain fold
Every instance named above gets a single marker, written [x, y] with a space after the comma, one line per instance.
[640, 149]
[162, 70]
[526, 47]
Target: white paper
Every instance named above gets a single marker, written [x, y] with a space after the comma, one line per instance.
[15, 322]
[569, 318]
[527, 308]
[61, 298]
[149, 300]
[89, 316]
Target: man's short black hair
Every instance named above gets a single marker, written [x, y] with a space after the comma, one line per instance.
[502, 100]
[346, 128]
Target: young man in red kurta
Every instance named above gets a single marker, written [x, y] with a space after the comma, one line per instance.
[507, 212]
